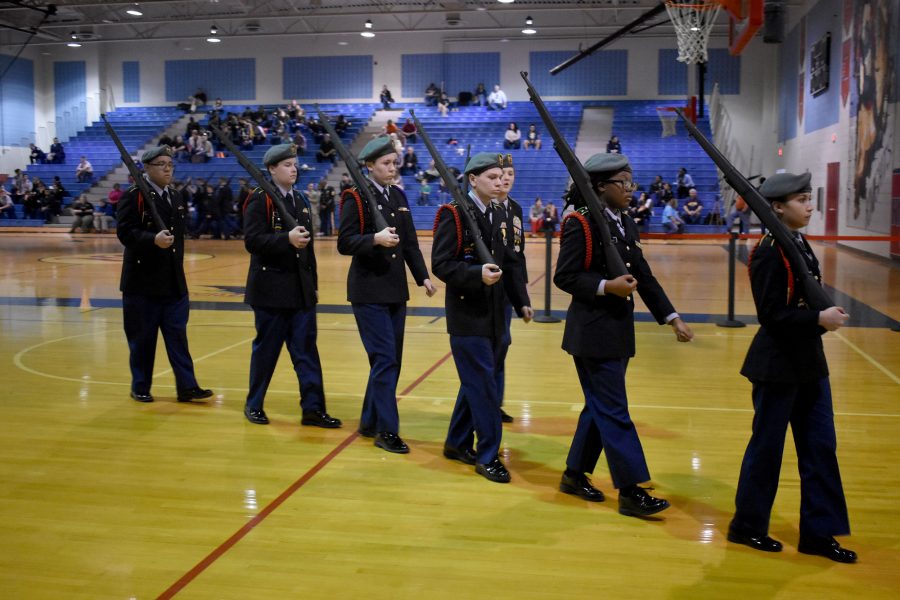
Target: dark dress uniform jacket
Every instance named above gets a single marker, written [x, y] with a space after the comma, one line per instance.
[787, 347]
[280, 275]
[148, 269]
[514, 239]
[378, 274]
[603, 326]
[472, 307]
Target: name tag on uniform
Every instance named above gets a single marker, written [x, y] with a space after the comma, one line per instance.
[403, 209]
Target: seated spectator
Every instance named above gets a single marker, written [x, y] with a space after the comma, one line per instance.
[430, 174]
[300, 141]
[424, 194]
[532, 138]
[663, 197]
[386, 98]
[37, 155]
[389, 128]
[84, 215]
[192, 127]
[327, 150]
[480, 95]
[84, 172]
[672, 223]
[341, 124]
[398, 145]
[443, 104]
[551, 217]
[115, 194]
[296, 112]
[537, 217]
[512, 137]
[206, 148]
[497, 99]
[693, 208]
[643, 211]
[7, 208]
[410, 162]
[613, 146]
[104, 216]
[180, 149]
[31, 202]
[683, 182]
[317, 130]
[739, 210]
[57, 154]
[657, 186]
[432, 95]
[409, 131]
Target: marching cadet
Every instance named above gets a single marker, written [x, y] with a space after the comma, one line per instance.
[282, 289]
[154, 289]
[474, 307]
[512, 234]
[786, 365]
[377, 288]
[599, 334]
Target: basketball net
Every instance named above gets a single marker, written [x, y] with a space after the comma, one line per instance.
[693, 23]
[668, 118]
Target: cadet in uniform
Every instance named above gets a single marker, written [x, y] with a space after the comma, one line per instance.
[599, 334]
[514, 265]
[474, 307]
[377, 288]
[282, 288]
[786, 365]
[154, 289]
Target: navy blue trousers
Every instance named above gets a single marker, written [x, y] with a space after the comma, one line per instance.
[381, 329]
[500, 369]
[276, 327]
[808, 410]
[144, 317]
[604, 424]
[476, 411]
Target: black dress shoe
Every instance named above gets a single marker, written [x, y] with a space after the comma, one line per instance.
[366, 432]
[320, 418]
[493, 471]
[193, 394]
[634, 501]
[256, 416]
[391, 442]
[757, 542]
[142, 397]
[826, 546]
[464, 455]
[579, 485]
[505, 417]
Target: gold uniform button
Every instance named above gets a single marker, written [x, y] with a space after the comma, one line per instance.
[393, 256]
[628, 247]
[392, 214]
[462, 297]
[628, 298]
[263, 268]
[628, 265]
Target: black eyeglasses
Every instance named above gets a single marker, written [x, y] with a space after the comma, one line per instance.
[627, 186]
[162, 165]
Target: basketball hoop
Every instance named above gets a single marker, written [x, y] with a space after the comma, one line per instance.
[693, 23]
[668, 118]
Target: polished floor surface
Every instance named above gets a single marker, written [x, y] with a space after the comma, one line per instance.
[102, 497]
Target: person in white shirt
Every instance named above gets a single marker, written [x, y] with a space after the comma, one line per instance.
[497, 99]
[512, 137]
[84, 172]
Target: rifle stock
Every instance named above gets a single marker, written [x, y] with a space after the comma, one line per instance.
[465, 208]
[254, 172]
[136, 175]
[816, 296]
[356, 173]
[614, 265]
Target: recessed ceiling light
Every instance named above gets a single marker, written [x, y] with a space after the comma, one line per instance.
[134, 13]
[73, 45]
[506, 1]
[343, 43]
[213, 40]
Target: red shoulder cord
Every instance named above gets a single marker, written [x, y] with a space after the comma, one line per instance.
[459, 232]
[588, 238]
[351, 192]
[787, 265]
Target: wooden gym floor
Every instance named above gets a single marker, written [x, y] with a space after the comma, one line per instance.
[103, 497]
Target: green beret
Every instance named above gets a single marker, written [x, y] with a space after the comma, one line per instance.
[483, 161]
[276, 154]
[375, 149]
[607, 163]
[154, 153]
[784, 184]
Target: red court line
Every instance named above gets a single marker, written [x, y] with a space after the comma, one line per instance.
[274, 504]
[756, 236]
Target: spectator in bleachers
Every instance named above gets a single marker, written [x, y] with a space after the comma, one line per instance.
[341, 124]
[739, 210]
[663, 197]
[327, 150]
[300, 141]
[114, 195]
[512, 137]
[497, 99]
[613, 146]
[537, 217]
[345, 183]
[84, 172]
[20, 179]
[533, 138]
[104, 216]
[430, 174]
[57, 154]
[398, 145]
[180, 149]
[296, 112]
[443, 104]
[313, 195]
[672, 223]
[657, 186]
[191, 127]
[84, 215]
[326, 211]
[218, 107]
[551, 217]
[409, 131]
[684, 182]
[643, 211]
[410, 162]
[317, 130]
[432, 95]
[424, 194]
[7, 207]
[206, 148]
[37, 155]
[386, 98]
[693, 208]
[389, 128]
[165, 140]
[480, 95]
[32, 204]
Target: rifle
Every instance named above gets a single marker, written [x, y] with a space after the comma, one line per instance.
[136, 175]
[816, 296]
[580, 178]
[254, 172]
[466, 179]
[356, 173]
[465, 207]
